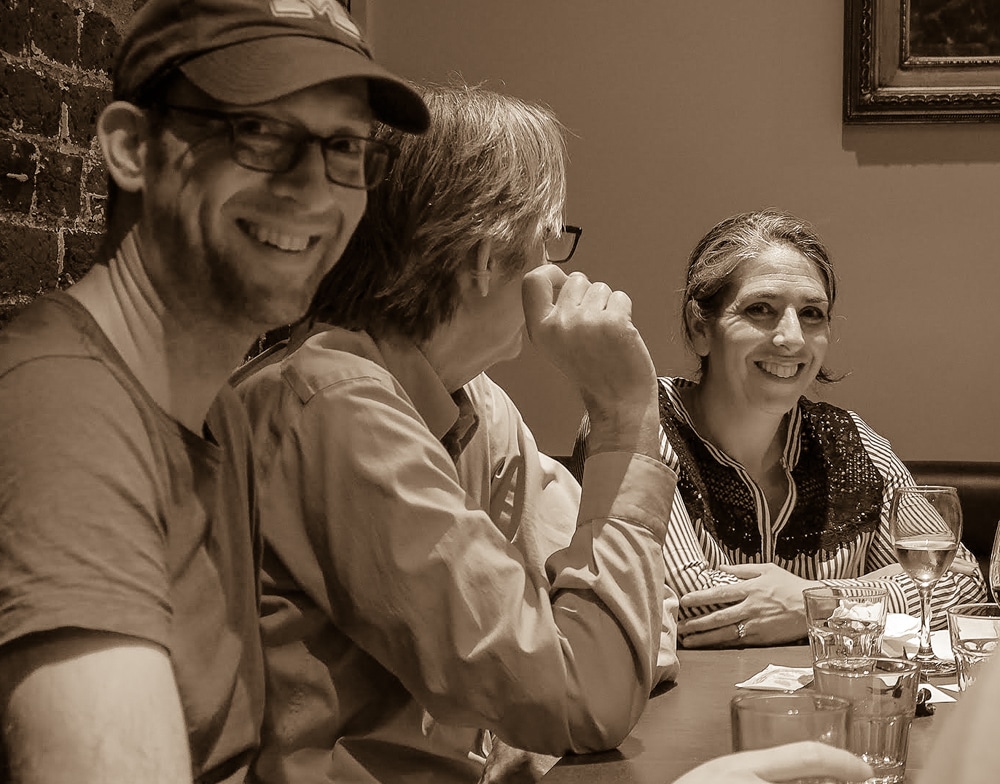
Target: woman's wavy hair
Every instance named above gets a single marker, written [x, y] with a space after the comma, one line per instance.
[490, 167]
[717, 257]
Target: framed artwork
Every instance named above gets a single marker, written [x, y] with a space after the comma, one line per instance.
[921, 61]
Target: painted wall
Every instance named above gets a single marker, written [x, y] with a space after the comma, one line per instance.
[683, 113]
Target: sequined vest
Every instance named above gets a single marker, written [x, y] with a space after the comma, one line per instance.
[839, 490]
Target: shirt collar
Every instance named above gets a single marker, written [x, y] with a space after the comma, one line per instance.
[451, 418]
[415, 374]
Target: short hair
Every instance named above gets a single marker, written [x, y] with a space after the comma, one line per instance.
[717, 257]
[490, 167]
[121, 208]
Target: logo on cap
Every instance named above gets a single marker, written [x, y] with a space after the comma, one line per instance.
[309, 9]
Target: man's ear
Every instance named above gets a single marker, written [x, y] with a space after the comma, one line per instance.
[698, 329]
[123, 131]
[484, 267]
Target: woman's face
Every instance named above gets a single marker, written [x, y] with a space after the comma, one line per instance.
[771, 336]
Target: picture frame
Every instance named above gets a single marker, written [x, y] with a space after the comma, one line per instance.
[921, 61]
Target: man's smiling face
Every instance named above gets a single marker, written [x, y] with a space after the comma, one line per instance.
[248, 246]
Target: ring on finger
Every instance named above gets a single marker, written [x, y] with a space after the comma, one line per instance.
[741, 630]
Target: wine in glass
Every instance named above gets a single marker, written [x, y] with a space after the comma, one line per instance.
[925, 523]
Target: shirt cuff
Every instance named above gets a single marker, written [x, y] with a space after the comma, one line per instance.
[628, 486]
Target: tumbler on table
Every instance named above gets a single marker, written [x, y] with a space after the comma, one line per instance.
[883, 697]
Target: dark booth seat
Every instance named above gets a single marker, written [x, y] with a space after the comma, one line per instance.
[978, 484]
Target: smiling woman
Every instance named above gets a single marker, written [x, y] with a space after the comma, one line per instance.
[776, 493]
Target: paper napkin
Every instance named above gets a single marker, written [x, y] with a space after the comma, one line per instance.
[774, 677]
[902, 633]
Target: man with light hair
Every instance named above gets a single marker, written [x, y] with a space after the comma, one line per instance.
[431, 579]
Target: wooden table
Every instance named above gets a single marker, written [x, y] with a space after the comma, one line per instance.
[687, 723]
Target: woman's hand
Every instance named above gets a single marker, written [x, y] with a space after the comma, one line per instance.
[767, 602]
[791, 762]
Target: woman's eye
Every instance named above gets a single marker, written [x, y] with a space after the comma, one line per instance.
[758, 310]
[814, 315]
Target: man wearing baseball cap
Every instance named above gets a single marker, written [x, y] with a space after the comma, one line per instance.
[239, 155]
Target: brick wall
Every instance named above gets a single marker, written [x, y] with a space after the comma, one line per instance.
[54, 58]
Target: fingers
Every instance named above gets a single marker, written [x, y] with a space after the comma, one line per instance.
[883, 573]
[723, 637]
[538, 292]
[621, 302]
[596, 295]
[964, 567]
[717, 620]
[547, 285]
[744, 571]
[727, 593]
[807, 759]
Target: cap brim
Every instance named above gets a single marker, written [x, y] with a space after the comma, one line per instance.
[266, 69]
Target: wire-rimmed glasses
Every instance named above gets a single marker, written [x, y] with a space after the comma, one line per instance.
[266, 144]
[560, 249]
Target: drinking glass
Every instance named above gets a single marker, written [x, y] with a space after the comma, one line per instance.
[848, 621]
[925, 524]
[760, 721]
[974, 630]
[883, 697]
[994, 576]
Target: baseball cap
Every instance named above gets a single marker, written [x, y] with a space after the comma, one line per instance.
[247, 52]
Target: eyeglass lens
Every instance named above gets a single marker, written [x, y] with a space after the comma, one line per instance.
[269, 145]
[352, 161]
[560, 248]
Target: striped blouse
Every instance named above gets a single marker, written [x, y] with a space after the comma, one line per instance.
[693, 554]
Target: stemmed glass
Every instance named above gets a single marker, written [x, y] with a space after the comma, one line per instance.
[925, 523]
[994, 576]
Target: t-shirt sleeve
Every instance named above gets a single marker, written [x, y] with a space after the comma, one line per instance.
[81, 538]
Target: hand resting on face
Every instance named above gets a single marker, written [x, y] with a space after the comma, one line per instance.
[585, 329]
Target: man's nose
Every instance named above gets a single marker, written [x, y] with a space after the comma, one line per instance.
[307, 180]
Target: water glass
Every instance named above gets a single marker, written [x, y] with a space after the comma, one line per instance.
[845, 621]
[993, 572]
[762, 720]
[883, 697]
[974, 630]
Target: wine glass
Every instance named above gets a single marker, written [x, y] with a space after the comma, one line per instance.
[925, 523]
[994, 571]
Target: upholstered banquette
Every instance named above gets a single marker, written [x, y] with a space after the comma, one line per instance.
[978, 484]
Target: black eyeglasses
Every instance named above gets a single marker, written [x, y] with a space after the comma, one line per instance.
[265, 144]
[560, 249]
